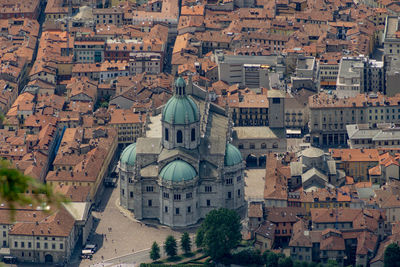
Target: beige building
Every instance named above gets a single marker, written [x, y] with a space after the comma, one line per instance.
[255, 143]
[330, 115]
[41, 237]
[129, 125]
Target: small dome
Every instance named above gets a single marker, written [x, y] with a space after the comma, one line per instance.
[312, 152]
[180, 110]
[178, 171]
[180, 82]
[232, 155]
[128, 156]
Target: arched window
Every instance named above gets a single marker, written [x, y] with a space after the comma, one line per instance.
[263, 146]
[193, 134]
[166, 134]
[179, 136]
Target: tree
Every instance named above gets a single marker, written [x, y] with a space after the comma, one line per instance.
[285, 262]
[186, 244]
[271, 259]
[220, 233]
[392, 255]
[155, 251]
[332, 263]
[14, 184]
[170, 246]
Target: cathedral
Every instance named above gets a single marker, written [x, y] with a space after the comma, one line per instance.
[189, 170]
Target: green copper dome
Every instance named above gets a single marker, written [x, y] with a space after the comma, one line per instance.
[180, 82]
[232, 155]
[128, 156]
[180, 110]
[178, 171]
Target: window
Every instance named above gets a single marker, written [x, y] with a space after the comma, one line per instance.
[179, 136]
[53, 246]
[238, 192]
[45, 245]
[229, 181]
[29, 244]
[240, 146]
[177, 211]
[208, 202]
[149, 188]
[177, 197]
[189, 209]
[239, 178]
[166, 133]
[276, 100]
[131, 194]
[149, 202]
[15, 244]
[229, 195]
[22, 244]
[263, 146]
[4, 233]
[208, 189]
[61, 246]
[166, 195]
[37, 245]
[166, 209]
[189, 195]
[193, 135]
[252, 146]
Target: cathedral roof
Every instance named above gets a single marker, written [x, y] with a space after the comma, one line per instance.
[178, 171]
[180, 110]
[128, 156]
[232, 155]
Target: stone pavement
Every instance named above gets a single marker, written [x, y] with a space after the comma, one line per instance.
[118, 234]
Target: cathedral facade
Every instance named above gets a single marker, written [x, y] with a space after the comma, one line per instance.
[189, 170]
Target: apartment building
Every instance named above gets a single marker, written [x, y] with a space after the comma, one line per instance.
[112, 15]
[391, 37]
[89, 50]
[358, 75]
[328, 69]
[329, 115]
[129, 125]
[384, 135]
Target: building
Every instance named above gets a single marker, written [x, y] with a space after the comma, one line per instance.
[329, 115]
[190, 169]
[248, 71]
[385, 135]
[356, 162]
[391, 39]
[89, 50]
[129, 125]
[359, 75]
[305, 74]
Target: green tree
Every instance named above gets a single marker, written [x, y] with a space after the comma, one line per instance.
[220, 233]
[14, 184]
[332, 263]
[155, 251]
[199, 239]
[170, 246]
[392, 255]
[186, 244]
[285, 262]
[271, 259]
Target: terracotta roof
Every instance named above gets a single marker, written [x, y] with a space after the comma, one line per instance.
[255, 210]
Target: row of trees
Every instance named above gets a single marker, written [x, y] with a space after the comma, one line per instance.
[171, 247]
